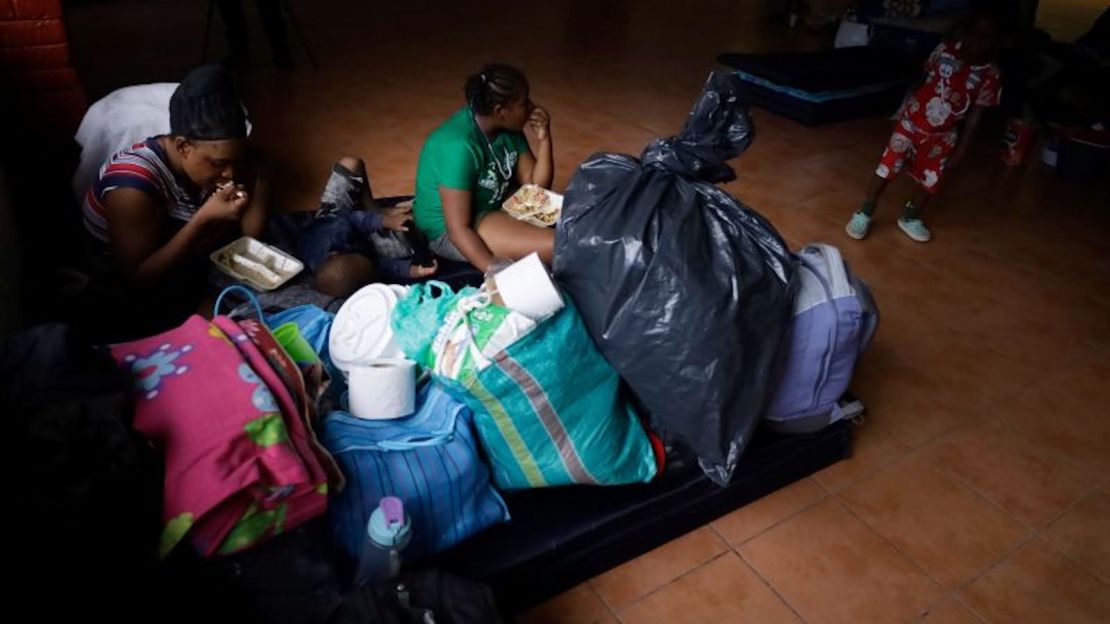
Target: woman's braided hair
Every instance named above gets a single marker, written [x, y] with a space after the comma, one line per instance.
[494, 85]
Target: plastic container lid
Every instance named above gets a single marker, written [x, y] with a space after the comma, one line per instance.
[389, 526]
[361, 330]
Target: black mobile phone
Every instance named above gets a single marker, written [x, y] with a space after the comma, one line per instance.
[421, 251]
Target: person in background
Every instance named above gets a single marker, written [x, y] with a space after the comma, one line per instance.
[937, 122]
[499, 140]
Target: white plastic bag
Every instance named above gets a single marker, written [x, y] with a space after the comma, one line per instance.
[852, 34]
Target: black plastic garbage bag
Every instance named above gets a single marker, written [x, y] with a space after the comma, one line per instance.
[685, 290]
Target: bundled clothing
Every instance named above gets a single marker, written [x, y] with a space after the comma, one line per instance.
[240, 466]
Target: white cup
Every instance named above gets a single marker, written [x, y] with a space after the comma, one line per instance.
[525, 287]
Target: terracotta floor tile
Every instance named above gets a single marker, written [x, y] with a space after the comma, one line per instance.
[635, 579]
[1038, 585]
[831, 567]
[1071, 422]
[872, 448]
[580, 604]
[917, 427]
[970, 376]
[1033, 483]
[754, 518]
[723, 590]
[949, 611]
[901, 396]
[1083, 534]
[945, 527]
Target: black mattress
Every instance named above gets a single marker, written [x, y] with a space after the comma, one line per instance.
[824, 86]
[557, 539]
[561, 537]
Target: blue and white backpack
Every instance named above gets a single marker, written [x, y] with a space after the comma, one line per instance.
[834, 319]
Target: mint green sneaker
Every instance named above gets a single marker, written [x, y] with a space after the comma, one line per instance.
[858, 226]
[915, 229]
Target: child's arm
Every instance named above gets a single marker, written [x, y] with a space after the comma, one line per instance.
[367, 221]
[966, 134]
[910, 94]
[990, 94]
[395, 270]
[403, 270]
[390, 269]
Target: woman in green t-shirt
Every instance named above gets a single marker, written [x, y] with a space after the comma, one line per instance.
[498, 141]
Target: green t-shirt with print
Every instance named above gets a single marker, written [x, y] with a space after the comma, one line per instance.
[457, 156]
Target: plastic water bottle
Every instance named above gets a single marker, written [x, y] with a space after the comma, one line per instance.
[387, 534]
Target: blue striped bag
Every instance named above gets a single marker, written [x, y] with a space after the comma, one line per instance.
[548, 407]
[429, 460]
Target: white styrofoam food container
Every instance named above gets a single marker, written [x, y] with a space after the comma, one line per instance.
[261, 266]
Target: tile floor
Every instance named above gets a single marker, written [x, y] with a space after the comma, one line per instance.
[980, 487]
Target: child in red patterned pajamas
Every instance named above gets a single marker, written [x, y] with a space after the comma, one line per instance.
[960, 81]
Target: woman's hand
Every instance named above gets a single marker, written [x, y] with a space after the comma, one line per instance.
[538, 126]
[224, 206]
[537, 165]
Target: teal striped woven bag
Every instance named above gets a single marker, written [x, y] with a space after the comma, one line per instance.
[548, 408]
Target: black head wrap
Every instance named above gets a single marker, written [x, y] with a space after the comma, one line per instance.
[205, 106]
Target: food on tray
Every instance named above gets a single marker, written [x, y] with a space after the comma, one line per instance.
[529, 198]
[258, 264]
[250, 268]
[534, 204]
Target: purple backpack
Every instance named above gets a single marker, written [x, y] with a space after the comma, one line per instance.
[833, 322]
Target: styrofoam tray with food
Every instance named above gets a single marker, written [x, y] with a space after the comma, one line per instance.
[536, 205]
[261, 266]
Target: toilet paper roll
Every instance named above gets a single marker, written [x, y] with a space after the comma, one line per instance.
[381, 389]
[525, 287]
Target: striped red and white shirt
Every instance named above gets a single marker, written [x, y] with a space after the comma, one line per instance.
[144, 167]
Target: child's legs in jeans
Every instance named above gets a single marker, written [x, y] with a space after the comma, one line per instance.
[339, 274]
[348, 188]
[345, 186]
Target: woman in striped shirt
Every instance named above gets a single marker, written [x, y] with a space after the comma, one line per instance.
[169, 200]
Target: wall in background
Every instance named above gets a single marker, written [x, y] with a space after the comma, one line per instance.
[1066, 20]
[35, 66]
[9, 265]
